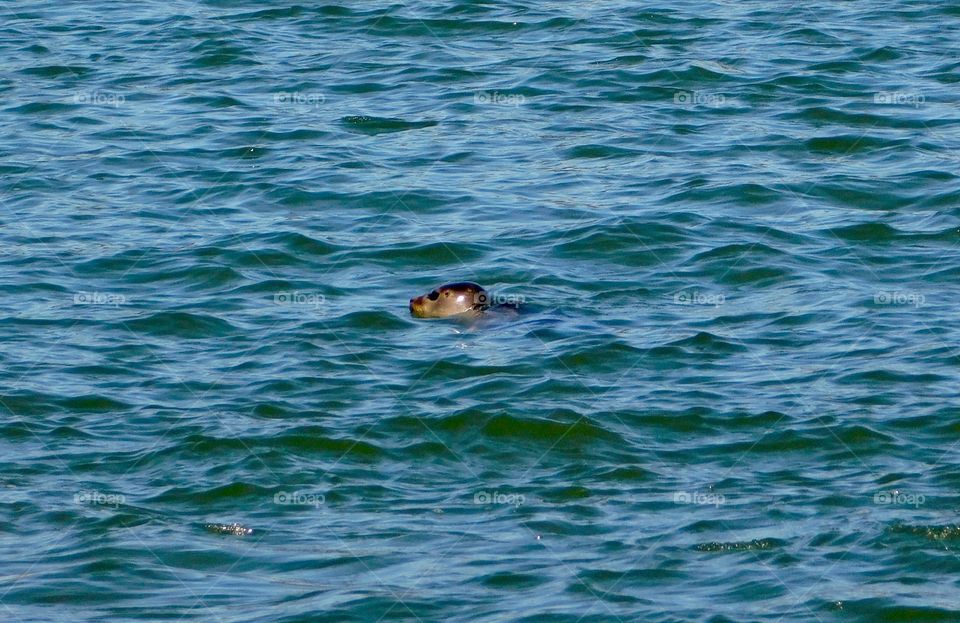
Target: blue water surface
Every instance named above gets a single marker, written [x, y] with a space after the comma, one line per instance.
[731, 394]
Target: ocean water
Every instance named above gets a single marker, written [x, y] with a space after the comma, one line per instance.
[731, 394]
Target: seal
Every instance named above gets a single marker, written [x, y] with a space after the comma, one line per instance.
[463, 299]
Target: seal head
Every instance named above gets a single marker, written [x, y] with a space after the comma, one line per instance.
[453, 299]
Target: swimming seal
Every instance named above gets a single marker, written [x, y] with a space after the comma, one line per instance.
[463, 298]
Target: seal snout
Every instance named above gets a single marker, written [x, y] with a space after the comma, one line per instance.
[415, 304]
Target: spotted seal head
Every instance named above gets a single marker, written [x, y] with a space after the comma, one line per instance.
[453, 299]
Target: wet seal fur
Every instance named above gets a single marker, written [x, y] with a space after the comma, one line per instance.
[463, 299]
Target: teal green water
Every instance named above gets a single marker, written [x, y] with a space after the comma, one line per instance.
[731, 395]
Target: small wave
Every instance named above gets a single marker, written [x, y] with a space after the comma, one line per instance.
[397, 26]
[759, 276]
[825, 114]
[708, 342]
[211, 101]
[865, 232]
[850, 144]
[216, 53]
[748, 193]
[886, 377]
[92, 403]
[741, 546]
[35, 108]
[197, 276]
[582, 431]
[269, 14]
[181, 324]
[948, 532]
[508, 580]
[381, 125]
[738, 252]
[261, 258]
[432, 254]
[600, 152]
[57, 71]
[370, 319]
[232, 529]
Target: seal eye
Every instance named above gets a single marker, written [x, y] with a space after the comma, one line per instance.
[433, 295]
